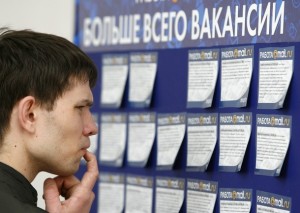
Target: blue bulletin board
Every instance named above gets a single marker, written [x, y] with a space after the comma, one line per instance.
[263, 24]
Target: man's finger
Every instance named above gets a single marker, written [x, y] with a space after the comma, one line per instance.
[91, 176]
[51, 195]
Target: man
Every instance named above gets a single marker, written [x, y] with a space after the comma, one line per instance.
[45, 122]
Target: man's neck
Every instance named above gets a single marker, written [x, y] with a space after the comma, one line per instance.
[17, 161]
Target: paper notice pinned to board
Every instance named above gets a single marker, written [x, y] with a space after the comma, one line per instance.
[235, 131]
[113, 135]
[111, 193]
[201, 195]
[141, 134]
[276, 66]
[170, 134]
[143, 67]
[235, 200]
[139, 194]
[273, 134]
[269, 202]
[169, 194]
[114, 78]
[202, 138]
[202, 77]
[236, 74]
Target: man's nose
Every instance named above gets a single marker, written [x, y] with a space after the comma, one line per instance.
[90, 127]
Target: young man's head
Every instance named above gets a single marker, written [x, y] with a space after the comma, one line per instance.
[41, 65]
[45, 99]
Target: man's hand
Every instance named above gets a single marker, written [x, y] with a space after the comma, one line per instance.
[78, 195]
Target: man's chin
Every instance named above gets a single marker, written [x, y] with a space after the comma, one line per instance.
[69, 171]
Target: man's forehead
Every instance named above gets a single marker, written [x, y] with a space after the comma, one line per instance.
[79, 91]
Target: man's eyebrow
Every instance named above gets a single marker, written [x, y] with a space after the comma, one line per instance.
[86, 102]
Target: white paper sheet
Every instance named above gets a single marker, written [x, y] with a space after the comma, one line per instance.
[236, 77]
[138, 199]
[272, 145]
[235, 206]
[201, 144]
[273, 136]
[202, 80]
[233, 143]
[267, 209]
[274, 80]
[112, 139]
[276, 66]
[169, 139]
[114, 79]
[141, 81]
[202, 139]
[235, 200]
[201, 196]
[235, 131]
[269, 202]
[169, 198]
[200, 202]
[111, 194]
[139, 195]
[140, 140]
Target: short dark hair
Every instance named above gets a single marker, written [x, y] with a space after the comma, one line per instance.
[41, 65]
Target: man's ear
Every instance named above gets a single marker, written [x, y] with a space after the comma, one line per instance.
[27, 113]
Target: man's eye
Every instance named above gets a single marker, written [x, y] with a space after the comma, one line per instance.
[80, 107]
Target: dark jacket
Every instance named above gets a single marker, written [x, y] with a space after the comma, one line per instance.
[16, 192]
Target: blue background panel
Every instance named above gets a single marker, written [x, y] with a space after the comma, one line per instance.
[170, 96]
